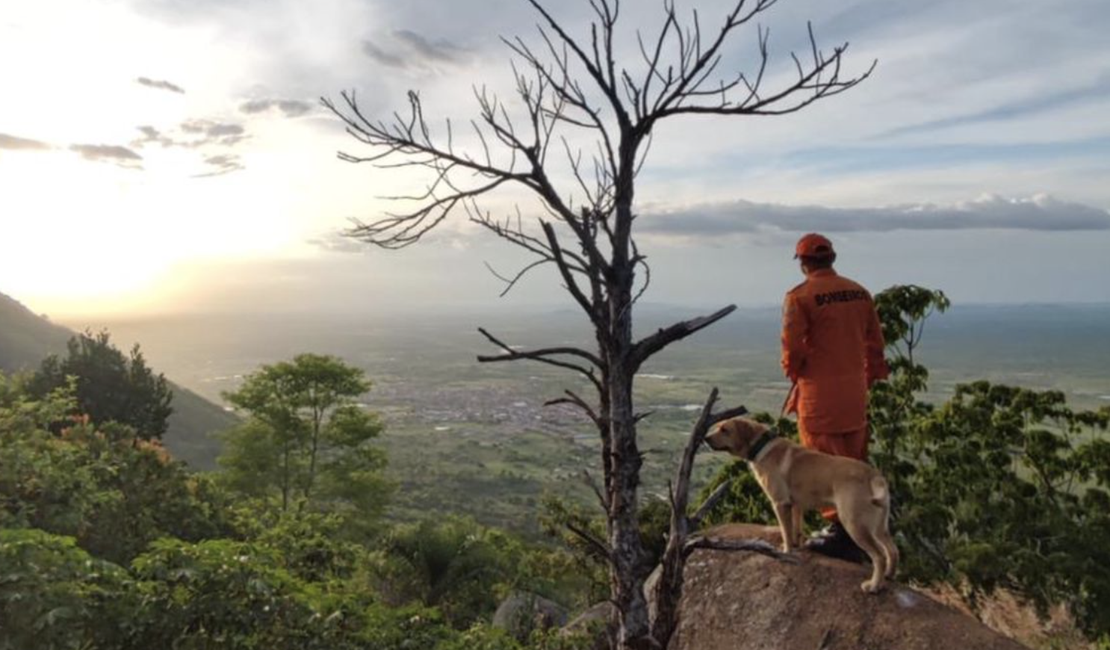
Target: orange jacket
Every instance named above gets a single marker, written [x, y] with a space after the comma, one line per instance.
[832, 347]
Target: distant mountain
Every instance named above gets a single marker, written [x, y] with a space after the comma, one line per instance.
[27, 338]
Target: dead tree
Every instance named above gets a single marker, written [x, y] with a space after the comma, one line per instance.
[572, 87]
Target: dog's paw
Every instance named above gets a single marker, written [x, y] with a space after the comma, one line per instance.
[870, 587]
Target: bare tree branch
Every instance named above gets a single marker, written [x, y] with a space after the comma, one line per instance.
[601, 498]
[646, 347]
[707, 505]
[752, 545]
[543, 356]
[600, 548]
[574, 400]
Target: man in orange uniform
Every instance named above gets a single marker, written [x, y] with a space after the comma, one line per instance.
[832, 351]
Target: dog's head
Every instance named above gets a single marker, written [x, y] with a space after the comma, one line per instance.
[736, 436]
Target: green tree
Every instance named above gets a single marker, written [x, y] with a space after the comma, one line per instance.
[110, 387]
[895, 407]
[1000, 486]
[306, 438]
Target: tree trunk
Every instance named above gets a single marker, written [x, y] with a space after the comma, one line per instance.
[317, 416]
[285, 477]
[627, 575]
[624, 532]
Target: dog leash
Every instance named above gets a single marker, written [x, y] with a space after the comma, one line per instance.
[785, 402]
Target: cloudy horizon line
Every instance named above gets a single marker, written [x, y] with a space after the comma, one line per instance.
[738, 217]
[1039, 213]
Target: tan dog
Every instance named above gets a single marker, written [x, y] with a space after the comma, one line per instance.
[797, 479]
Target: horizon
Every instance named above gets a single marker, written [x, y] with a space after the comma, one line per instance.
[74, 320]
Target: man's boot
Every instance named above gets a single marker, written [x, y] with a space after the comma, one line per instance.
[835, 542]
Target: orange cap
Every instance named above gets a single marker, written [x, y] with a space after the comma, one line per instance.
[813, 245]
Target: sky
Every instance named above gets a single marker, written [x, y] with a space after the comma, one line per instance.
[162, 156]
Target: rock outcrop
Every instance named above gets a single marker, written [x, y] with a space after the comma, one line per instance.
[737, 600]
[522, 612]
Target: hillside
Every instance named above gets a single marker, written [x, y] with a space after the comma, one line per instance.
[26, 338]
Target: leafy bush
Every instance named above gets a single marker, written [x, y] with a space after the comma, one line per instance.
[55, 596]
[455, 565]
[1007, 487]
[222, 594]
[113, 493]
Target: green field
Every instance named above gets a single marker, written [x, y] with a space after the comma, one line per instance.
[465, 437]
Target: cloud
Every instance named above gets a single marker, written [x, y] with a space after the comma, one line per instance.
[160, 84]
[213, 133]
[407, 50]
[221, 164]
[212, 129]
[1036, 105]
[152, 135]
[210, 134]
[716, 220]
[116, 154]
[441, 50]
[288, 107]
[13, 143]
[206, 137]
[337, 242]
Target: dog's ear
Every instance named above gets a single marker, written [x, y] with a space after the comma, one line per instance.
[741, 437]
[716, 438]
[745, 434]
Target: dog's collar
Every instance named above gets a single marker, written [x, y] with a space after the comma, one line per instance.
[761, 445]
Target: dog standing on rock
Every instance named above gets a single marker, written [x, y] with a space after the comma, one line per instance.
[797, 480]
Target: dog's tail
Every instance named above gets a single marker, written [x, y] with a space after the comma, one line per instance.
[880, 491]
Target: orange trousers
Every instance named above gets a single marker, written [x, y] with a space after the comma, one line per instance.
[852, 444]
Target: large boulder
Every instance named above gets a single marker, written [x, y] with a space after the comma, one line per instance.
[593, 624]
[740, 600]
[521, 612]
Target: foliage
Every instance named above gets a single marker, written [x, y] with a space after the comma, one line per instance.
[454, 565]
[110, 387]
[307, 440]
[311, 546]
[112, 493]
[55, 596]
[1008, 487]
[222, 593]
[1000, 486]
[582, 534]
[894, 406]
[197, 570]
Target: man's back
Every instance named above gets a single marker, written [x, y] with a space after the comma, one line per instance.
[832, 346]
